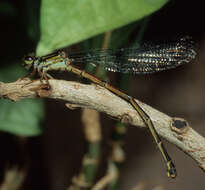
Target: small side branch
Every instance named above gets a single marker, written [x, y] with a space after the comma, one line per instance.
[91, 160]
[174, 130]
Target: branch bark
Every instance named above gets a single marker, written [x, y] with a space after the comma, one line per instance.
[174, 130]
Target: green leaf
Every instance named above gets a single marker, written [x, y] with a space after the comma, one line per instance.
[11, 72]
[65, 22]
[20, 118]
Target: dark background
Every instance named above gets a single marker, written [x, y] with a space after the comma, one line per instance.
[56, 155]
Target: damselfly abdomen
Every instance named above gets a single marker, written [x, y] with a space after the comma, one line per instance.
[143, 60]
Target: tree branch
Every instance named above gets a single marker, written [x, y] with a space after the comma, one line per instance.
[174, 130]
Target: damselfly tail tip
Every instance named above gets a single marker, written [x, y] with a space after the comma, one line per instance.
[171, 170]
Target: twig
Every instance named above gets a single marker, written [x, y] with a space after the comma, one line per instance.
[94, 97]
[104, 181]
[13, 179]
[117, 155]
[92, 131]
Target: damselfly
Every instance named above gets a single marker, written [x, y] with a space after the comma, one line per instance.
[147, 59]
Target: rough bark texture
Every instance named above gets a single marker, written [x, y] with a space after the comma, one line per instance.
[100, 99]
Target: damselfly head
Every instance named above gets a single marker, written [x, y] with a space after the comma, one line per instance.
[28, 61]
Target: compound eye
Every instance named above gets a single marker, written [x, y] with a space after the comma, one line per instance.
[28, 60]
